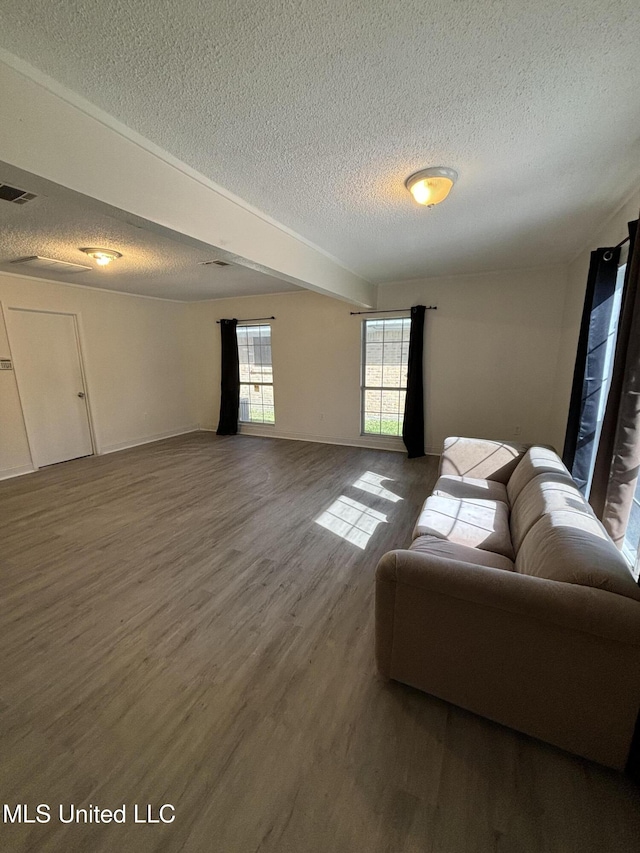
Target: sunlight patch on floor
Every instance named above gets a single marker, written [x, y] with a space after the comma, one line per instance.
[372, 483]
[351, 520]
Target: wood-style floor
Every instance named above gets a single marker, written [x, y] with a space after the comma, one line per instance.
[177, 628]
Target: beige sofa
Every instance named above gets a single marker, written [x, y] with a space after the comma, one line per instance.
[513, 602]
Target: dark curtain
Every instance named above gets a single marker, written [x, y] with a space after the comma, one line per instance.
[230, 381]
[413, 426]
[580, 437]
[618, 461]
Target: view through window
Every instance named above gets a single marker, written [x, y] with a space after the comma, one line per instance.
[631, 545]
[256, 374]
[385, 354]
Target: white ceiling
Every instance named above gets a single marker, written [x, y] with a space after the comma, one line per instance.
[315, 112]
[155, 261]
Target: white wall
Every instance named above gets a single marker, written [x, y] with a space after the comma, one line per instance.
[136, 357]
[490, 352]
[499, 355]
[611, 233]
[490, 357]
[315, 348]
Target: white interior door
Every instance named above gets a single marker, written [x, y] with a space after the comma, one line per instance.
[49, 374]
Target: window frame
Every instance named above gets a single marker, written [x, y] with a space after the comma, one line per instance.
[630, 550]
[363, 374]
[262, 384]
[605, 379]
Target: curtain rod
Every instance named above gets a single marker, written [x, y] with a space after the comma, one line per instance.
[252, 319]
[622, 242]
[391, 310]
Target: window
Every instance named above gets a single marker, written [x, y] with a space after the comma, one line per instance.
[256, 374]
[385, 353]
[631, 544]
[602, 391]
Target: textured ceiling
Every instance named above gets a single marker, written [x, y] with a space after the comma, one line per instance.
[156, 261]
[315, 111]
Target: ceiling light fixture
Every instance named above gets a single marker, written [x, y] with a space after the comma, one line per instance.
[431, 186]
[102, 256]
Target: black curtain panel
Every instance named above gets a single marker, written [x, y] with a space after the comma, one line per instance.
[615, 475]
[586, 392]
[413, 426]
[230, 380]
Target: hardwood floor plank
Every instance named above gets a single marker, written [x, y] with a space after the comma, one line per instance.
[185, 622]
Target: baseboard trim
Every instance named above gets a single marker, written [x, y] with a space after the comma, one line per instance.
[125, 445]
[394, 444]
[18, 471]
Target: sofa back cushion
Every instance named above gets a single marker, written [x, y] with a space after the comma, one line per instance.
[478, 457]
[573, 547]
[537, 460]
[544, 493]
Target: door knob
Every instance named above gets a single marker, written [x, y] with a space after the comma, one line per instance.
[80, 393]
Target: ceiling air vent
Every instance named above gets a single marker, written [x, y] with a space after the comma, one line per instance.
[14, 195]
[214, 263]
[35, 262]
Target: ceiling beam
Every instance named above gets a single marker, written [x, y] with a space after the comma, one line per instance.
[54, 133]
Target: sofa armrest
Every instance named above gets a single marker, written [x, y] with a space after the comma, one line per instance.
[476, 457]
[558, 661]
[570, 606]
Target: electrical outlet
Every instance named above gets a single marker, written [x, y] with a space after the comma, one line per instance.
[517, 430]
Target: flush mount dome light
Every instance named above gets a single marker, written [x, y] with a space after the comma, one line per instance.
[102, 256]
[431, 186]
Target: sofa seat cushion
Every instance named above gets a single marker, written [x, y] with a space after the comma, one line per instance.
[574, 548]
[545, 493]
[537, 460]
[460, 553]
[452, 486]
[473, 522]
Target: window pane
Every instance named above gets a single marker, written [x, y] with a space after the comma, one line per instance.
[372, 401]
[373, 375]
[374, 352]
[254, 353]
[390, 426]
[632, 535]
[386, 350]
[372, 422]
[267, 394]
[391, 403]
[374, 330]
[243, 354]
[392, 376]
[392, 331]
